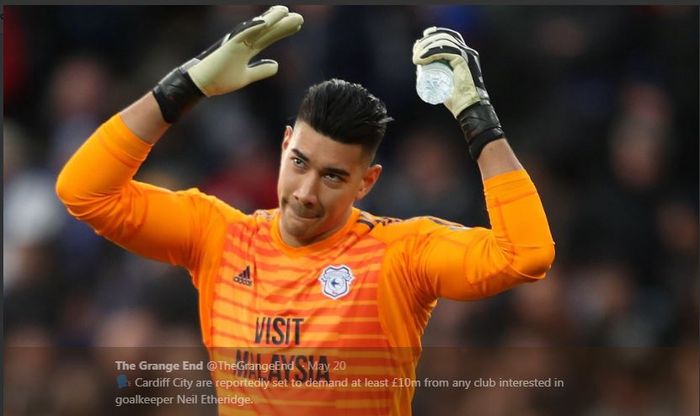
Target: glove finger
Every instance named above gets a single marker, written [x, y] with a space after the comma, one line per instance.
[274, 14]
[249, 30]
[434, 39]
[438, 55]
[420, 49]
[429, 31]
[437, 30]
[261, 69]
[289, 25]
[452, 59]
[447, 31]
[436, 36]
[443, 47]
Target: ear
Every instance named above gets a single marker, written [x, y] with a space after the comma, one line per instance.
[287, 137]
[368, 180]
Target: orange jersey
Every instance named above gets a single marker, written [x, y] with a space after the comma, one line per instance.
[349, 308]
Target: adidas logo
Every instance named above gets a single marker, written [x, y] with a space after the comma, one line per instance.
[244, 277]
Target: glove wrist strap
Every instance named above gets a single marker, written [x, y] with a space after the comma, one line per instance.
[176, 94]
[480, 126]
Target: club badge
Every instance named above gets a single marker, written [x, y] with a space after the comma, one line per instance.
[335, 281]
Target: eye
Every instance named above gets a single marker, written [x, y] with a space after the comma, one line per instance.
[297, 162]
[332, 177]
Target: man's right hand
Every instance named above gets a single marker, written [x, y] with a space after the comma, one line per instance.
[225, 66]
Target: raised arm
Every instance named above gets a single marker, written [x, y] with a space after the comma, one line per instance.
[223, 68]
[465, 263]
[96, 184]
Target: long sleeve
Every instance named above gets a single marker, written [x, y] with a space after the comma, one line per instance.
[456, 262]
[461, 263]
[96, 186]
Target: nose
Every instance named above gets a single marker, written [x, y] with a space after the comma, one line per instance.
[307, 192]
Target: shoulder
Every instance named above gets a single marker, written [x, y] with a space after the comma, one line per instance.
[390, 229]
[211, 205]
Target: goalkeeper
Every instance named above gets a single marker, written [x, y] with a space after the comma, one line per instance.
[315, 272]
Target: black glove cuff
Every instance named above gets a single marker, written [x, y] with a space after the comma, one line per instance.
[176, 94]
[477, 144]
[480, 126]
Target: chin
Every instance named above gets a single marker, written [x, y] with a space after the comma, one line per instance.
[297, 227]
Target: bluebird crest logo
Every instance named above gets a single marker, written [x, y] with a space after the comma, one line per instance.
[335, 281]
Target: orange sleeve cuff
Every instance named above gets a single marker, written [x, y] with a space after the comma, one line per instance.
[508, 187]
[122, 143]
[504, 178]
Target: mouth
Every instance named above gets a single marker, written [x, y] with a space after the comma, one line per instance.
[302, 214]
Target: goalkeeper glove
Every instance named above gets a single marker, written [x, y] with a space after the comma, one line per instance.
[469, 102]
[226, 66]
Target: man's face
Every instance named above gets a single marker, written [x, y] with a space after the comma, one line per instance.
[319, 180]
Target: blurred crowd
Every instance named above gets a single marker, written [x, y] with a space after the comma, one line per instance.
[599, 103]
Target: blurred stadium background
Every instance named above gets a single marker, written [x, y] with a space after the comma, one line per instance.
[600, 103]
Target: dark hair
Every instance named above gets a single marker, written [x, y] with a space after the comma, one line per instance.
[345, 112]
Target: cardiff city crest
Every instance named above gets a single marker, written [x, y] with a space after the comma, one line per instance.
[335, 281]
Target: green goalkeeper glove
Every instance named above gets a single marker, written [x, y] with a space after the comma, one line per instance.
[469, 102]
[226, 66]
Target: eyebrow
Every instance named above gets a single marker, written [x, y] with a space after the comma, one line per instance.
[326, 169]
